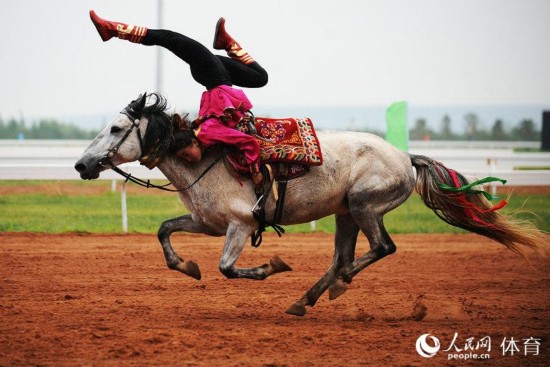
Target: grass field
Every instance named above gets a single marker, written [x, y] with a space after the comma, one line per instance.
[58, 207]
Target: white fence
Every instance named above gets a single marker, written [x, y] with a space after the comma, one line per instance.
[55, 159]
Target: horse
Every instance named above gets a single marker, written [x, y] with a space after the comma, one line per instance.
[362, 178]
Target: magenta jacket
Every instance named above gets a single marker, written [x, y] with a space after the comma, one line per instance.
[221, 109]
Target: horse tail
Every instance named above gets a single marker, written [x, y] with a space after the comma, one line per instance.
[463, 204]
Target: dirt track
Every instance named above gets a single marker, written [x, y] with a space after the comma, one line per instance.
[110, 300]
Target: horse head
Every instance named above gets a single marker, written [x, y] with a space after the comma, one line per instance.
[128, 138]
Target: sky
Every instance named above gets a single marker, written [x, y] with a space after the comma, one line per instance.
[317, 53]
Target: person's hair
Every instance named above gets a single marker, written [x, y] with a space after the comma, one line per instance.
[183, 135]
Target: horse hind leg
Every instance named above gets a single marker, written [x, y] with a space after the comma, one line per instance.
[368, 207]
[381, 245]
[345, 240]
[349, 226]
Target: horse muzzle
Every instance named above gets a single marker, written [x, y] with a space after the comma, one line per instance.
[89, 169]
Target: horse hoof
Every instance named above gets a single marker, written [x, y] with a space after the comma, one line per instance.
[296, 309]
[192, 269]
[336, 289]
[278, 266]
[189, 267]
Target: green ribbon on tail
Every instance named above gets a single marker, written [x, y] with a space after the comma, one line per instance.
[467, 189]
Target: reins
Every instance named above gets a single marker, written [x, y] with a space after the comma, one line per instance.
[106, 160]
[149, 184]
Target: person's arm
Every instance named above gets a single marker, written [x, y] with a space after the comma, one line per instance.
[211, 133]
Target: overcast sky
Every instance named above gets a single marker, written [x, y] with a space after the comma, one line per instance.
[317, 53]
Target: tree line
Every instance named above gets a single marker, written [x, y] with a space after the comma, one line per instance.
[43, 129]
[525, 130]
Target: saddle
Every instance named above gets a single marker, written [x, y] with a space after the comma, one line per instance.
[288, 147]
[291, 141]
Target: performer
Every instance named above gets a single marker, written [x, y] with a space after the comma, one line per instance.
[221, 106]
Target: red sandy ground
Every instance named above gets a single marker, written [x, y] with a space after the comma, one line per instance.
[69, 188]
[110, 300]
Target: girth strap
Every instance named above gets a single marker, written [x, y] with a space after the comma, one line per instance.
[259, 209]
[281, 187]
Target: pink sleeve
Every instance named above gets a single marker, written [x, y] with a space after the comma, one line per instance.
[220, 98]
[212, 132]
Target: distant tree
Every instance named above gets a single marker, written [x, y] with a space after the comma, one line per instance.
[526, 131]
[446, 131]
[11, 129]
[44, 129]
[497, 131]
[472, 126]
[420, 130]
[374, 132]
[3, 132]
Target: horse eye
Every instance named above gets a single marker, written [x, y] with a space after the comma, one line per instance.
[115, 129]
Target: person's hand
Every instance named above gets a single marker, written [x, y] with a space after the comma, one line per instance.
[257, 178]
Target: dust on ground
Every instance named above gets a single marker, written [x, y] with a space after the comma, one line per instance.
[101, 187]
[111, 300]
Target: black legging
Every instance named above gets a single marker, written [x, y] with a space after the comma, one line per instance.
[206, 68]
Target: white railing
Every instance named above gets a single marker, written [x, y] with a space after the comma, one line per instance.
[66, 171]
[54, 160]
[9, 171]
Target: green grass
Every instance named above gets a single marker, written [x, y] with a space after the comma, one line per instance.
[56, 213]
[414, 217]
[101, 213]
[96, 214]
[531, 168]
[528, 150]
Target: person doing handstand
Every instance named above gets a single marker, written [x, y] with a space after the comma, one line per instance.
[221, 106]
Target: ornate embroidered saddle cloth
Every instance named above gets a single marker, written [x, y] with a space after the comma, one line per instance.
[290, 140]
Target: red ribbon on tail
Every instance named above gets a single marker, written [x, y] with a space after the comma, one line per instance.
[470, 209]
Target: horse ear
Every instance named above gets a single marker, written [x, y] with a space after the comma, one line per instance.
[180, 122]
[141, 104]
[134, 110]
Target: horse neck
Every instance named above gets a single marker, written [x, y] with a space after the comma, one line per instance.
[182, 174]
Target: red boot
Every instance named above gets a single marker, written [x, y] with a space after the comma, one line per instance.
[108, 30]
[223, 41]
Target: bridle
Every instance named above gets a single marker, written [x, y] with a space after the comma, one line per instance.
[105, 161]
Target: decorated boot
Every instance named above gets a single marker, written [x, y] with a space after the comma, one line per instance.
[223, 41]
[108, 30]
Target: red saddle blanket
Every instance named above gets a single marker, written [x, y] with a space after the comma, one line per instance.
[291, 140]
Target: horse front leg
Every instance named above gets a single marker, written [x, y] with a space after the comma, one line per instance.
[237, 236]
[184, 223]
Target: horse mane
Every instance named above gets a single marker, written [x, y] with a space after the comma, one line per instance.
[159, 135]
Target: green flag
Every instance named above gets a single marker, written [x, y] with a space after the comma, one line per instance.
[397, 127]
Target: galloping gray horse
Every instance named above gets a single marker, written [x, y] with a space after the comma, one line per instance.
[362, 178]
